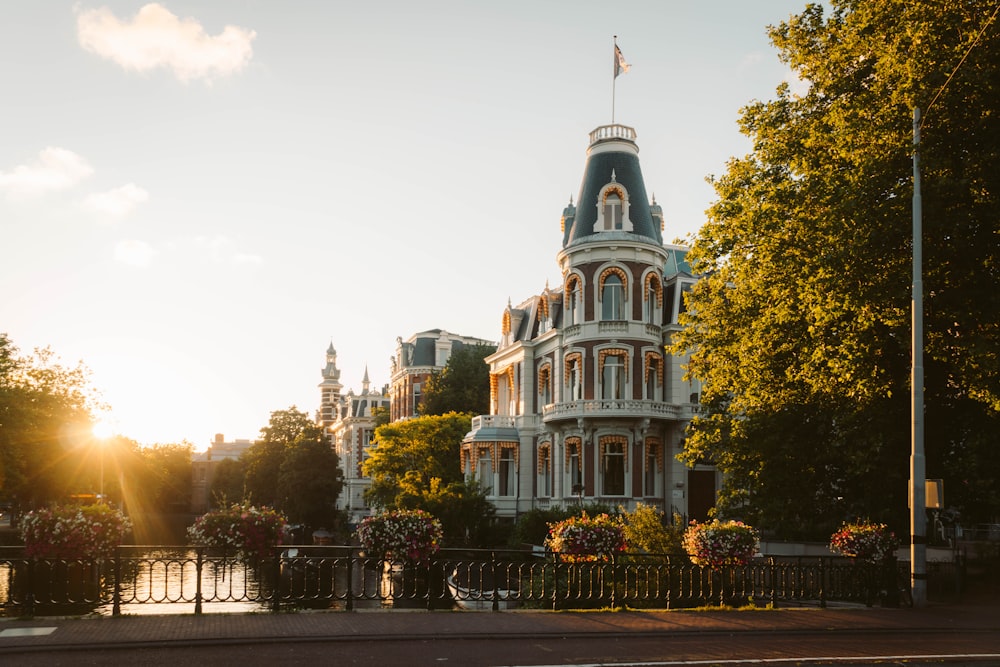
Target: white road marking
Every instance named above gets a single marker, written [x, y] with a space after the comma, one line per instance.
[26, 632]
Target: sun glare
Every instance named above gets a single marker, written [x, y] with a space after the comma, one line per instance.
[102, 429]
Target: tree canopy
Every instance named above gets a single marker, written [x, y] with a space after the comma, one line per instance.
[46, 413]
[293, 468]
[463, 385]
[418, 451]
[800, 328]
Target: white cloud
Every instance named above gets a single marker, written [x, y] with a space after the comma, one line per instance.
[134, 253]
[116, 203]
[55, 169]
[157, 38]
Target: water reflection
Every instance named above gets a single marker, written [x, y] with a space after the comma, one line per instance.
[158, 581]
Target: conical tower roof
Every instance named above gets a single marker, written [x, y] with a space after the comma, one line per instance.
[612, 171]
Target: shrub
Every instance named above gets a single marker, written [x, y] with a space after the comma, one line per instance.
[73, 531]
[585, 538]
[249, 531]
[721, 543]
[872, 542]
[647, 531]
[401, 535]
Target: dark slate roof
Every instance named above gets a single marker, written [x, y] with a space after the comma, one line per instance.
[622, 159]
[676, 262]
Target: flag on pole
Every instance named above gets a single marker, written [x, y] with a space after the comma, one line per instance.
[620, 65]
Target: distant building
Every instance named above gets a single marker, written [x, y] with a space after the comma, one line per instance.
[416, 359]
[203, 466]
[349, 422]
[586, 403]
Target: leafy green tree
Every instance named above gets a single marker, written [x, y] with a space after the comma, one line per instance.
[46, 412]
[463, 385]
[292, 468]
[309, 482]
[165, 477]
[417, 450]
[800, 329]
[263, 459]
[228, 483]
[467, 518]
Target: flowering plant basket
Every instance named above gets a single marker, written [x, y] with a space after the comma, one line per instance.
[864, 540]
[721, 543]
[73, 531]
[401, 535]
[585, 538]
[250, 532]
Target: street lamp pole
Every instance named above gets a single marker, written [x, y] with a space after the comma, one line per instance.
[918, 472]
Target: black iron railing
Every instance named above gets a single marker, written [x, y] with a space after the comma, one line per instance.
[345, 578]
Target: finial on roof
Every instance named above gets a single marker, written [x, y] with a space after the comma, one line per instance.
[614, 179]
[654, 199]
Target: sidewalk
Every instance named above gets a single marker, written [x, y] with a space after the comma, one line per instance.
[221, 629]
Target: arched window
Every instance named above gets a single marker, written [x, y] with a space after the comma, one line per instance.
[613, 463]
[484, 470]
[612, 299]
[573, 300]
[545, 384]
[613, 211]
[613, 287]
[544, 470]
[507, 471]
[574, 376]
[653, 300]
[653, 389]
[574, 464]
[612, 366]
[653, 466]
[613, 377]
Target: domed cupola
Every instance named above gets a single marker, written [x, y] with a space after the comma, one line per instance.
[612, 197]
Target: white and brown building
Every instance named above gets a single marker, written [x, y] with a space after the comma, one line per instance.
[587, 404]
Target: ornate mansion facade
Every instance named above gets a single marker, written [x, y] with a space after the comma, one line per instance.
[587, 405]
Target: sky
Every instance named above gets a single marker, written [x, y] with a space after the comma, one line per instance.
[198, 198]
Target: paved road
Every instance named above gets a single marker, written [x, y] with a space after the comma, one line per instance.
[846, 636]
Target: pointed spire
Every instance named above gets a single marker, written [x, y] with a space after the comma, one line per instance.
[365, 382]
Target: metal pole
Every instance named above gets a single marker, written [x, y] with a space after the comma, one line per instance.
[918, 473]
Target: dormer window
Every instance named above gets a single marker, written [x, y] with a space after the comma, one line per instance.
[613, 211]
[612, 208]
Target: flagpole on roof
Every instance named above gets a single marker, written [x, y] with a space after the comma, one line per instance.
[614, 77]
[620, 66]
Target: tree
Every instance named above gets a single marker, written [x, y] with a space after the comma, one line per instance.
[228, 483]
[46, 412]
[418, 451]
[800, 328]
[467, 517]
[263, 458]
[462, 386]
[309, 483]
[292, 468]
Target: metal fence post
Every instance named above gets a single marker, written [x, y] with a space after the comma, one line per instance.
[555, 582]
[350, 579]
[116, 606]
[276, 587]
[822, 583]
[197, 589]
[29, 596]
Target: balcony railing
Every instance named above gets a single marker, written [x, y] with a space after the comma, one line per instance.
[492, 421]
[616, 408]
[343, 578]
